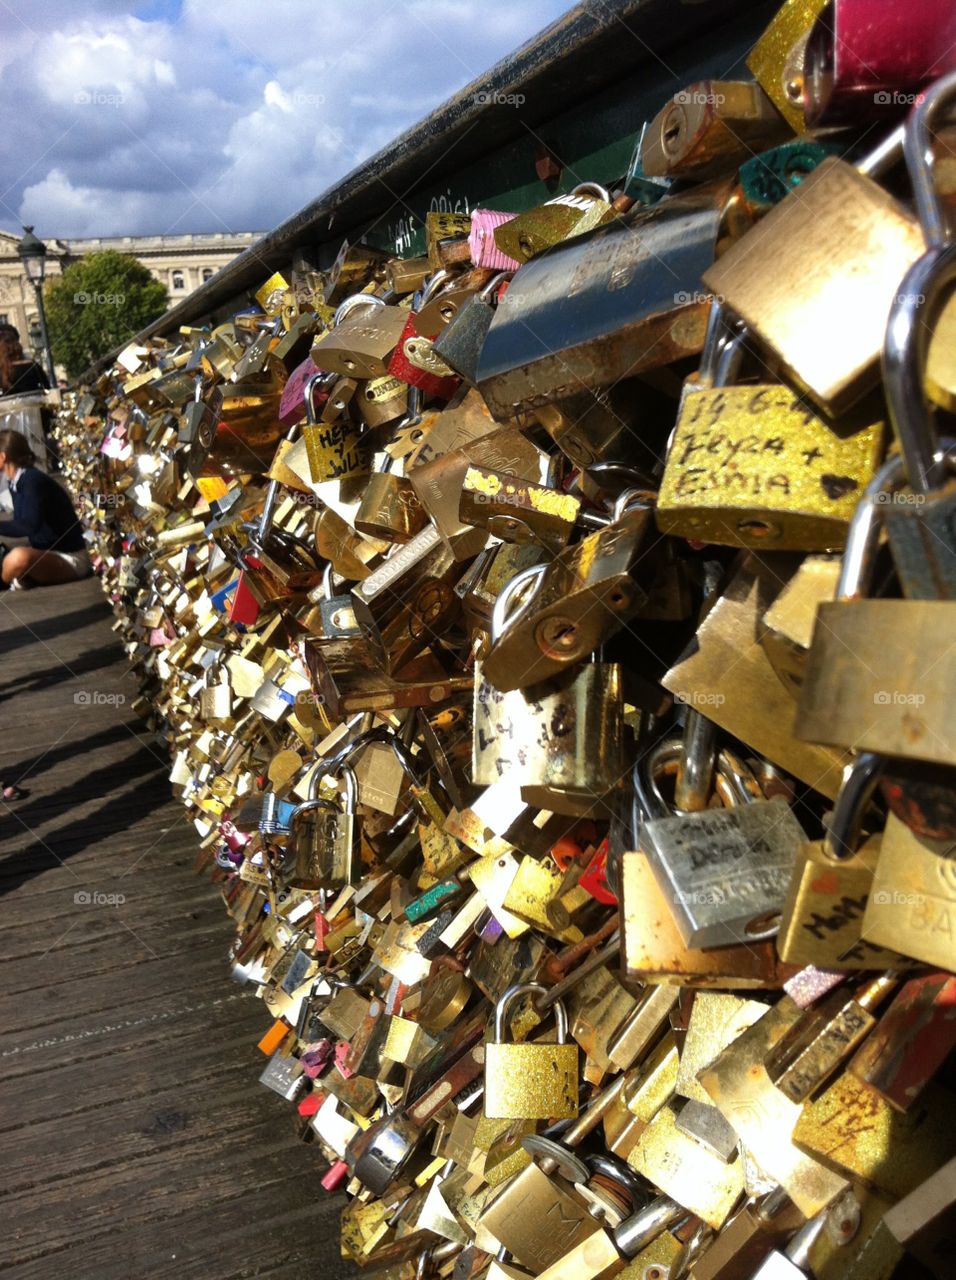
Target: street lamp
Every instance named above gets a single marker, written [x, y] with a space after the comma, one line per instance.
[32, 253]
[36, 338]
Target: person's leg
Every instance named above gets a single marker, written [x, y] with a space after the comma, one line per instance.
[39, 568]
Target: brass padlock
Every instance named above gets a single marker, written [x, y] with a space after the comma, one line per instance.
[585, 207]
[810, 282]
[867, 686]
[582, 599]
[708, 128]
[325, 852]
[534, 1081]
[754, 465]
[361, 342]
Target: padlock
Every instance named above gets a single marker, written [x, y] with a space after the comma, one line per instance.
[460, 342]
[708, 128]
[863, 60]
[389, 508]
[215, 699]
[325, 853]
[607, 1253]
[866, 687]
[598, 308]
[334, 448]
[921, 530]
[585, 207]
[445, 297]
[413, 361]
[382, 400]
[563, 742]
[361, 342]
[580, 601]
[754, 465]
[530, 1080]
[725, 872]
[481, 240]
[517, 510]
[810, 282]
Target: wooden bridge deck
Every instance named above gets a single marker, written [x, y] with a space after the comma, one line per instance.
[135, 1139]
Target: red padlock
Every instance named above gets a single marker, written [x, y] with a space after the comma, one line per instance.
[866, 57]
[432, 384]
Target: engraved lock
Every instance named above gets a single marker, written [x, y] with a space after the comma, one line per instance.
[867, 686]
[607, 1253]
[708, 128]
[599, 308]
[390, 508]
[563, 743]
[912, 902]
[192, 415]
[754, 465]
[460, 342]
[333, 448]
[534, 1081]
[382, 400]
[582, 598]
[725, 872]
[324, 836]
[365, 333]
[587, 206]
[807, 282]
[921, 532]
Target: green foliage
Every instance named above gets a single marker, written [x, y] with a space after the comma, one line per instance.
[96, 304]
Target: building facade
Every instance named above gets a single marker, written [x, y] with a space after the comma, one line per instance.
[182, 263]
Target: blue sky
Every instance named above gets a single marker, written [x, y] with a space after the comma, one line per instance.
[199, 115]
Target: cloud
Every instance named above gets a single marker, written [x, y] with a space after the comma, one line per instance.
[206, 116]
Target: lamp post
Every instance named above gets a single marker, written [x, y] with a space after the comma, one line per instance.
[32, 253]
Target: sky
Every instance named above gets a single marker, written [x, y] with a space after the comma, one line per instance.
[172, 116]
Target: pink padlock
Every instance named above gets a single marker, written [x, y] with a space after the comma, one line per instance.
[336, 1175]
[481, 240]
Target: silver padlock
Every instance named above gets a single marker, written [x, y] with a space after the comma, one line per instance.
[725, 872]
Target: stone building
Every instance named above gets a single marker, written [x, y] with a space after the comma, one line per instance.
[182, 263]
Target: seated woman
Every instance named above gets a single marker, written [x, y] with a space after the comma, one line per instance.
[42, 512]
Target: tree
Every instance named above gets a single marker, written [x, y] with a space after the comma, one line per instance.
[96, 304]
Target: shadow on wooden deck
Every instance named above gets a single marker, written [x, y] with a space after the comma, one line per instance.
[135, 1139]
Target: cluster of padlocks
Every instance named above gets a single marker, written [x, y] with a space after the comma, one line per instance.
[552, 634]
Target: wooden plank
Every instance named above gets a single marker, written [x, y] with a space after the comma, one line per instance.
[135, 1138]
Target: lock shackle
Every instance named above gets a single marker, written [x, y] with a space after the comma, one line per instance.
[431, 286]
[640, 1228]
[486, 291]
[354, 301]
[733, 781]
[918, 153]
[863, 536]
[905, 351]
[308, 394]
[698, 762]
[309, 806]
[632, 500]
[501, 1023]
[501, 619]
[413, 409]
[619, 1171]
[842, 828]
[591, 189]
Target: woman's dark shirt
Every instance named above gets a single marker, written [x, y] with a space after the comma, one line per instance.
[43, 512]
